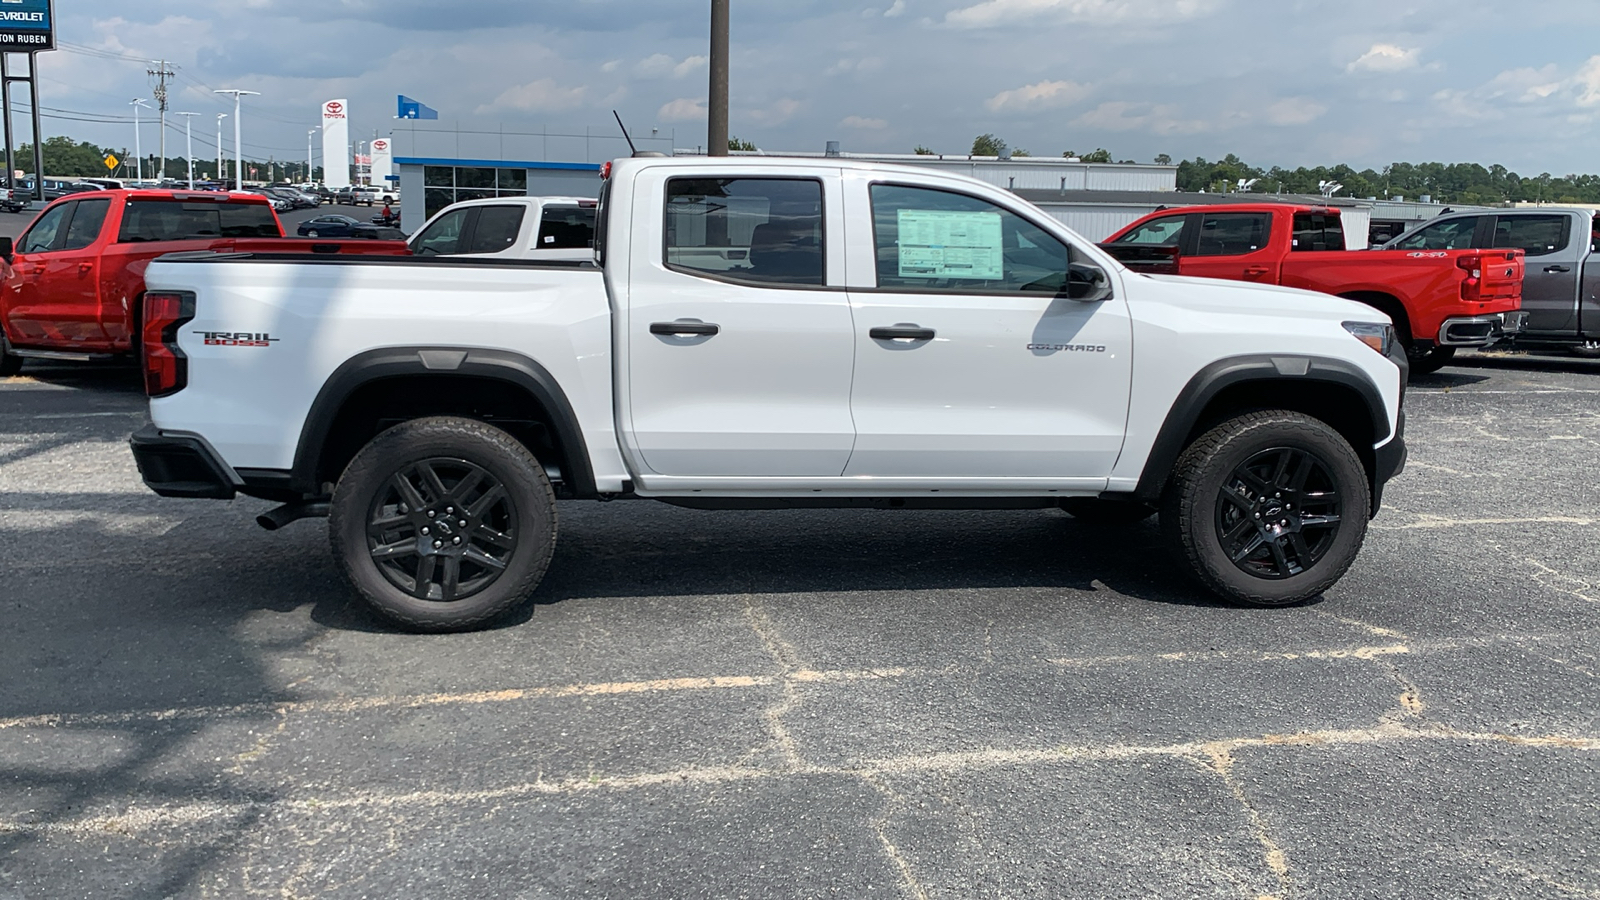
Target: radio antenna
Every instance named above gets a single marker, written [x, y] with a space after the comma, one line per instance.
[631, 149]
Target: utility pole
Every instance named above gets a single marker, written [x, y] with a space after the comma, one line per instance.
[161, 73]
[188, 140]
[717, 111]
[138, 151]
[238, 152]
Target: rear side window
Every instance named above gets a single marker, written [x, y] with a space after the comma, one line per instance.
[496, 229]
[1317, 231]
[443, 237]
[1233, 234]
[1157, 232]
[1452, 234]
[179, 220]
[565, 228]
[1535, 235]
[760, 230]
[87, 220]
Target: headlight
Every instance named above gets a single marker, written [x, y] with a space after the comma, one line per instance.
[1381, 338]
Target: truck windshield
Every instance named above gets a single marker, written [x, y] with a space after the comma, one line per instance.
[178, 220]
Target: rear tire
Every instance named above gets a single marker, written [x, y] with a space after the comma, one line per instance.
[1587, 350]
[10, 363]
[1268, 508]
[1431, 360]
[443, 523]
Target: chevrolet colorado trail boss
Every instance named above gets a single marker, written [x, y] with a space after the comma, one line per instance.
[1439, 299]
[1561, 282]
[74, 279]
[768, 333]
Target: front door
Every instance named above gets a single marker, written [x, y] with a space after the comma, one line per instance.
[1553, 267]
[53, 297]
[971, 361]
[738, 344]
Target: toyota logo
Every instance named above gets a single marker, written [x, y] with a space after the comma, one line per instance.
[380, 145]
[335, 108]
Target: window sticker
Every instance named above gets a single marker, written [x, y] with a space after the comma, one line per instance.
[937, 243]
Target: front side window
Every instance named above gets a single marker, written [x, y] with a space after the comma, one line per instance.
[1453, 234]
[565, 228]
[1232, 234]
[1317, 231]
[1163, 232]
[84, 229]
[443, 236]
[1534, 235]
[496, 229]
[930, 240]
[42, 236]
[761, 230]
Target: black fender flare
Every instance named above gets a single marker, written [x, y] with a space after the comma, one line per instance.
[1225, 373]
[391, 362]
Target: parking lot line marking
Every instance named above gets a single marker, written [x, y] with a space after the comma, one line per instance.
[1366, 653]
[1413, 392]
[1218, 759]
[135, 818]
[1428, 520]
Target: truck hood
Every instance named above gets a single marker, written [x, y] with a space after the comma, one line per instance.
[1265, 299]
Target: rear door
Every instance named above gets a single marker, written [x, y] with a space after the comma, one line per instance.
[1554, 266]
[1232, 245]
[736, 333]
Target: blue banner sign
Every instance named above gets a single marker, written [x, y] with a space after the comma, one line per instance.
[410, 109]
[26, 26]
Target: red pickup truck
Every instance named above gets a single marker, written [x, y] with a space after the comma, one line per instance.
[1439, 299]
[73, 282]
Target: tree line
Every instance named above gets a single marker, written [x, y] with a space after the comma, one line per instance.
[66, 158]
[1466, 183]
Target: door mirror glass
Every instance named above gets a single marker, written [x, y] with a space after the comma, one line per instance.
[1088, 283]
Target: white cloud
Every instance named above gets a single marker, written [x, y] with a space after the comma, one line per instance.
[1588, 82]
[777, 113]
[863, 122]
[897, 9]
[1385, 58]
[993, 13]
[661, 65]
[544, 95]
[1295, 111]
[611, 66]
[682, 109]
[1157, 119]
[1044, 95]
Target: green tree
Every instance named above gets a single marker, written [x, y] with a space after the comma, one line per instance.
[736, 144]
[1163, 159]
[1020, 152]
[987, 145]
[923, 151]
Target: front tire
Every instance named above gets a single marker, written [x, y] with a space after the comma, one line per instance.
[443, 523]
[1268, 508]
[1426, 362]
[10, 363]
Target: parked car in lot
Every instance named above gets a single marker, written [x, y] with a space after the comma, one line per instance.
[76, 276]
[552, 228]
[1561, 278]
[769, 333]
[1438, 299]
[355, 195]
[334, 225]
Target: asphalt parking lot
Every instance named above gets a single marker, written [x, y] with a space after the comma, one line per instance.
[809, 703]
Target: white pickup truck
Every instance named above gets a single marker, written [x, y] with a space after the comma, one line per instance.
[768, 333]
[549, 228]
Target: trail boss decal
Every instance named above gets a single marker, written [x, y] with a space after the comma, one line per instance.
[237, 338]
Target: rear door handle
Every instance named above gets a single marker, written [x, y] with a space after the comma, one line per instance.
[903, 331]
[1557, 269]
[683, 329]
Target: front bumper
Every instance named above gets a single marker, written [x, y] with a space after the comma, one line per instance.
[1481, 331]
[181, 464]
[1389, 461]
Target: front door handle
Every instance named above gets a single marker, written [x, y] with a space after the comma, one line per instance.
[85, 266]
[684, 329]
[1557, 269]
[1256, 270]
[903, 331]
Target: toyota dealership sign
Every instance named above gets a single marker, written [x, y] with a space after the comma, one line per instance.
[336, 143]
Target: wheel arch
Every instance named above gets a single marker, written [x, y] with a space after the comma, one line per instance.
[376, 389]
[1331, 390]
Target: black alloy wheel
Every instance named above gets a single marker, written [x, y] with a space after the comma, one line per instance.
[1278, 513]
[442, 529]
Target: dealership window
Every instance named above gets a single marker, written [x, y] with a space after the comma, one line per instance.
[444, 185]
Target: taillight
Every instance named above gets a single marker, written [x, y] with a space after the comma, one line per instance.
[605, 170]
[166, 368]
[1473, 266]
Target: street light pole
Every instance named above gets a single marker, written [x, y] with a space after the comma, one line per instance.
[717, 111]
[238, 150]
[138, 151]
[220, 117]
[309, 167]
[188, 140]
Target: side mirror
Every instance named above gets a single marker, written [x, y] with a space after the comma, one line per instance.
[7, 250]
[1087, 283]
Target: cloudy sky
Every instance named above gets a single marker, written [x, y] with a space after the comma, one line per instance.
[1289, 82]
